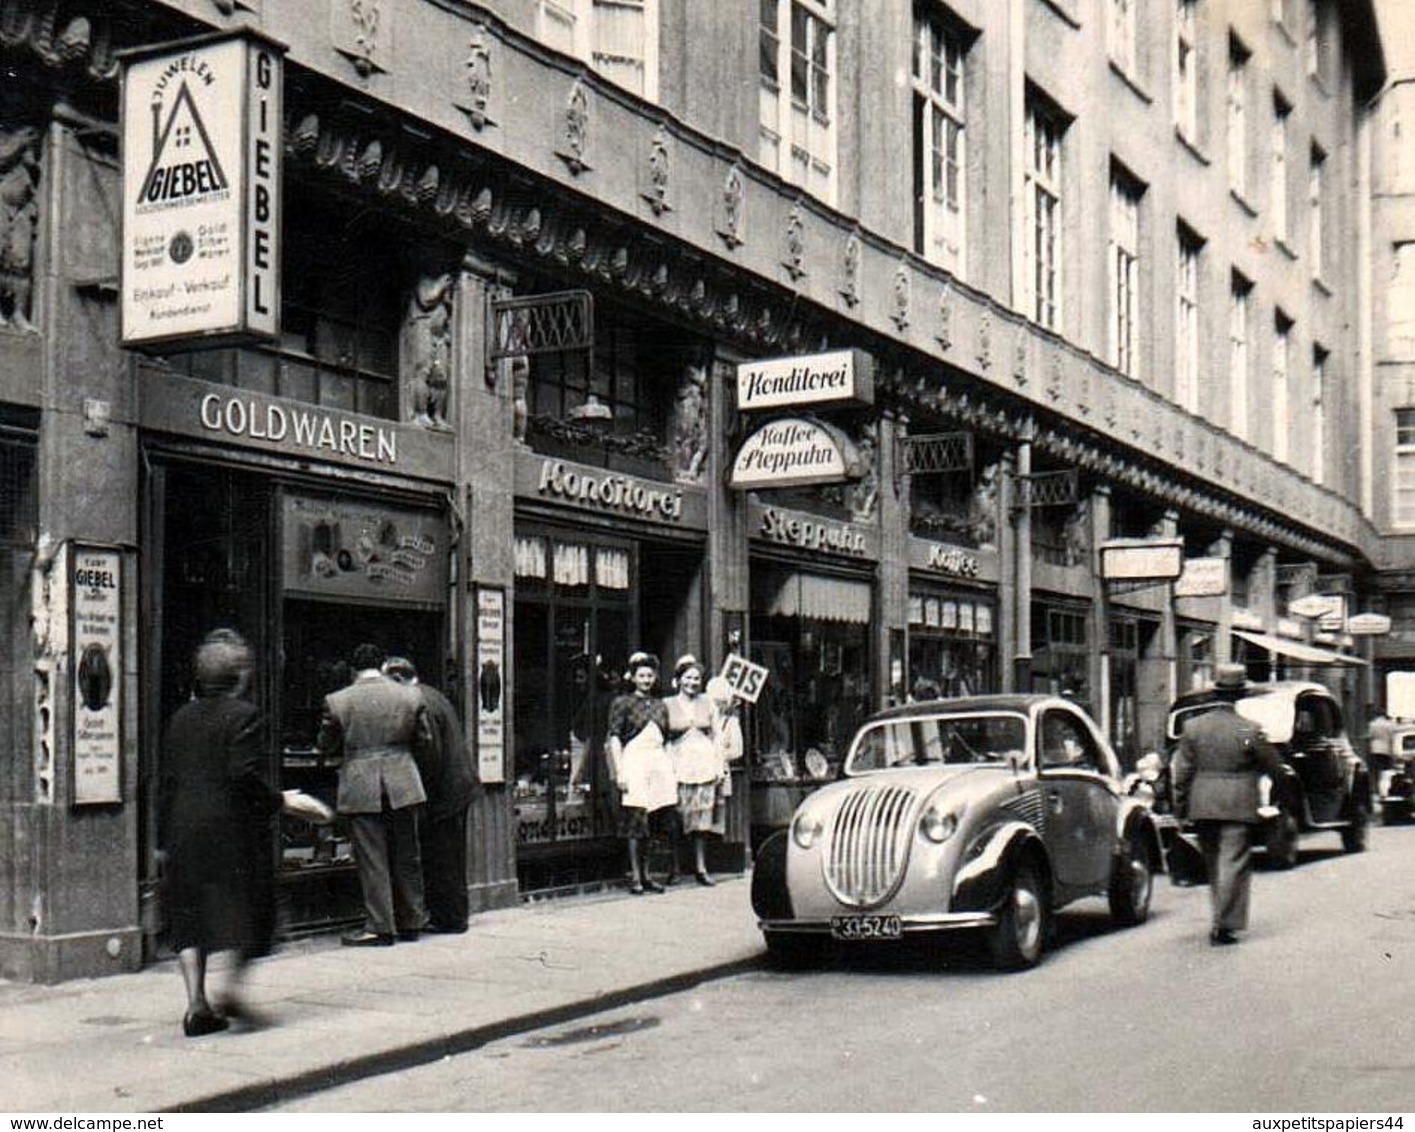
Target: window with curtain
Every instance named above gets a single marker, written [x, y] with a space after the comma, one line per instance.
[1316, 234]
[619, 38]
[1042, 203]
[1237, 117]
[1403, 503]
[1124, 265]
[1318, 461]
[796, 47]
[1239, 295]
[1186, 320]
[1281, 394]
[1281, 113]
[939, 153]
[1186, 71]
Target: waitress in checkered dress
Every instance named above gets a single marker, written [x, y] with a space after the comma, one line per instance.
[648, 788]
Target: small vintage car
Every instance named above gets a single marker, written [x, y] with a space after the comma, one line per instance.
[987, 813]
[1325, 784]
[1395, 775]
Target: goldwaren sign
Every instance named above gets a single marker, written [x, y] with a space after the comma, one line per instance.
[202, 122]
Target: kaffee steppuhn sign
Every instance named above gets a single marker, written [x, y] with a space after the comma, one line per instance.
[202, 123]
[840, 377]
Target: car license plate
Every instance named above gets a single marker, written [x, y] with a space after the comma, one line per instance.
[866, 927]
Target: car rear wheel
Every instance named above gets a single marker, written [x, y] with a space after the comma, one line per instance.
[1017, 937]
[1131, 886]
[1281, 842]
[787, 951]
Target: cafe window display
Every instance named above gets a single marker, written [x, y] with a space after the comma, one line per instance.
[952, 643]
[812, 632]
[573, 619]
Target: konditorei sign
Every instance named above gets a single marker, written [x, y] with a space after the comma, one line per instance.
[840, 377]
[794, 451]
[202, 122]
[608, 493]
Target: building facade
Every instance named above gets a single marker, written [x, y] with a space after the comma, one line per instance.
[1096, 257]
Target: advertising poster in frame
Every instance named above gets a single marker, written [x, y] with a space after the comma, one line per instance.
[490, 698]
[97, 635]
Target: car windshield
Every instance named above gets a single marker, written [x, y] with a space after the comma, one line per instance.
[949, 739]
[1270, 711]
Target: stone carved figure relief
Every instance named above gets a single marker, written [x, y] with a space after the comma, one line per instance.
[656, 171]
[982, 507]
[730, 208]
[850, 270]
[794, 255]
[19, 209]
[41, 626]
[575, 132]
[690, 431]
[430, 338]
[901, 295]
[862, 496]
[520, 368]
[1075, 534]
[478, 75]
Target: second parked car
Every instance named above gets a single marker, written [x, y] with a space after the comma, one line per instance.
[1325, 785]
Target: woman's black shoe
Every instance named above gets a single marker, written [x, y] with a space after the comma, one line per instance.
[705, 880]
[1222, 937]
[652, 885]
[636, 889]
[203, 1022]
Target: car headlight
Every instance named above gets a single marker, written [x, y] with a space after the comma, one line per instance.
[937, 823]
[806, 827]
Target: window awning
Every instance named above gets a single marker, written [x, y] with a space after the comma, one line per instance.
[1296, 650]
[819, 598]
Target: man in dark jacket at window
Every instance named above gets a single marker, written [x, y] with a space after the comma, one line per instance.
[450, 781]
[1216, 769]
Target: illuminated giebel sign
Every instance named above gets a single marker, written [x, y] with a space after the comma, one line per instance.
[841, 377]
[202, 122]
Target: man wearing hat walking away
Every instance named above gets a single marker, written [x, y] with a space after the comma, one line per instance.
[446, 769]
[1215, 773]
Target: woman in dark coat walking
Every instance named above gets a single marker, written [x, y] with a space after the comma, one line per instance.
[217, 802]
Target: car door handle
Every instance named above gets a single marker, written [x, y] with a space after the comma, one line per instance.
[1055, 799]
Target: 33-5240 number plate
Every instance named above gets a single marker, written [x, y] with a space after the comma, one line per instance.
[866, 927]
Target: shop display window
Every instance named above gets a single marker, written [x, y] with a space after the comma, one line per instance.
[812, 633]
[951, 645]
[1061, 653]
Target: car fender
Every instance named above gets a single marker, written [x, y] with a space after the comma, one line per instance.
[771, 897]
[1135, 823]
[981, 882]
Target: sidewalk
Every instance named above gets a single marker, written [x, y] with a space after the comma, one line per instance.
[337, 1014]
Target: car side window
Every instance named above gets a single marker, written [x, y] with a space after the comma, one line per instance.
[1065, 743]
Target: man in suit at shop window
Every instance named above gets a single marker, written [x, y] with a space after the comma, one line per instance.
[377, 724]
[446, 768]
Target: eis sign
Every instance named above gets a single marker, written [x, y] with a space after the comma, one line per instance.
[201, 191]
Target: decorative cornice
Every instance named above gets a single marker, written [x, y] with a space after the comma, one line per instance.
[82, 43]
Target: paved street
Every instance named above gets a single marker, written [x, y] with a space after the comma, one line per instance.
[1313, 1013]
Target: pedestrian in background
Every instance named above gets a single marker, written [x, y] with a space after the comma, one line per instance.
[445, 766]
[216, 802]
[697, 764]
[648, 788]
[1216, 769]
[376, 724]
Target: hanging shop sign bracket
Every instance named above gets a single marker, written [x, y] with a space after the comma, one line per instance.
[1048, 489]
[559, 322]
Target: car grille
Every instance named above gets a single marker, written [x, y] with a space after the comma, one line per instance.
[869, 845]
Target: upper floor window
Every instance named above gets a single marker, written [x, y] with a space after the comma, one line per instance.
[1042, 206]
[1281, 112]
[1239, 297]
[1403, 503]
[796, 40]
[939, 150]
[1281, 400]
[1400, 304]
[1121, 34]
[1237, 117]
[619, 38]
[1186, 321]
[1318, 463]
[1316, 236]
[1186, 71]
[1124, 262]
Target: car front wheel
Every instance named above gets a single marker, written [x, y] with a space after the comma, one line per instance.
[1353, 837]
[1131, 886]
[1281, 841]
[1016, 940]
